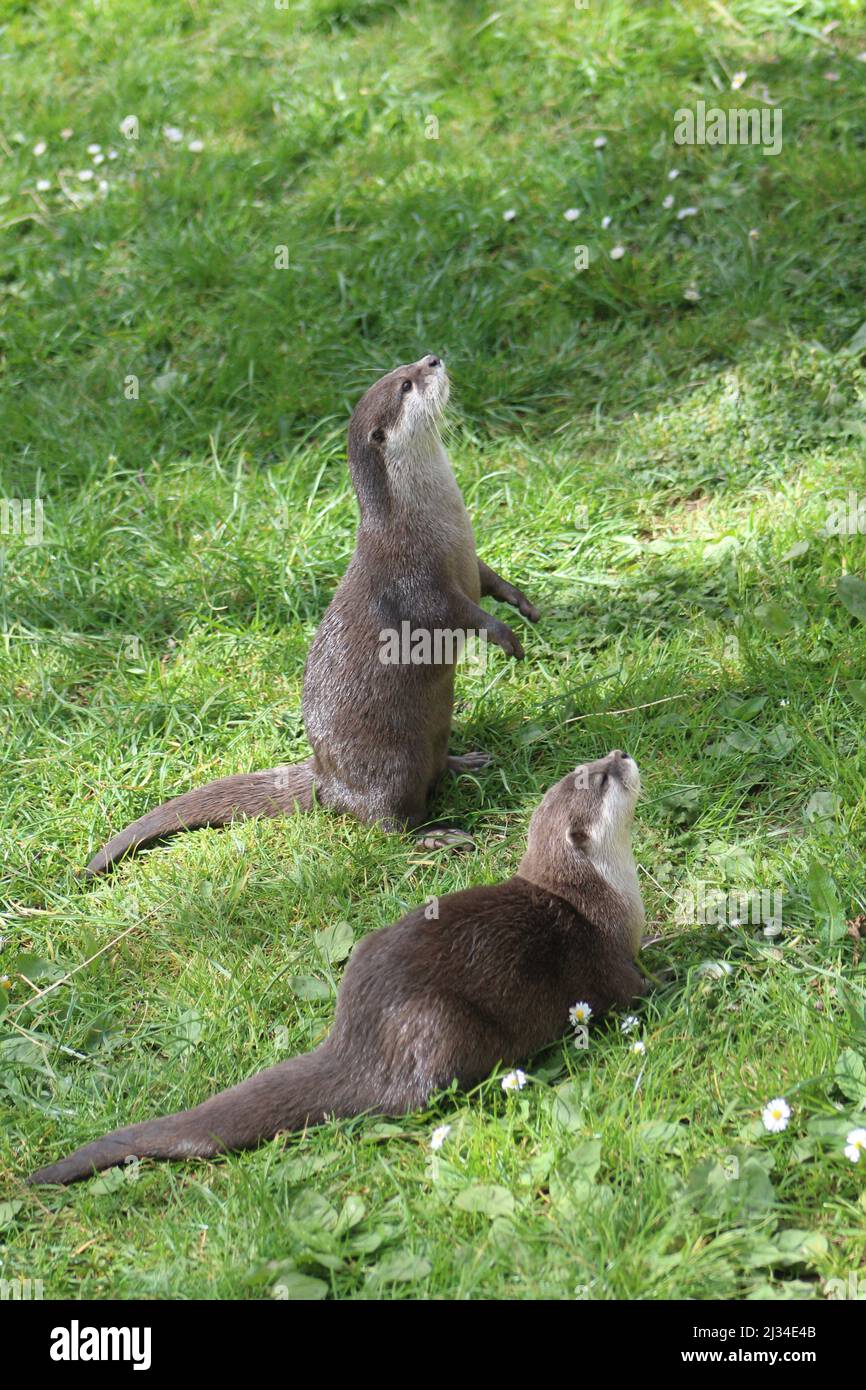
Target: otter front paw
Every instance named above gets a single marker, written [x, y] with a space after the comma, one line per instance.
[508, 641]
[522, 604]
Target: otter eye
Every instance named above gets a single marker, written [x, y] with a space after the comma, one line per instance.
[407, 386]
[378, 435]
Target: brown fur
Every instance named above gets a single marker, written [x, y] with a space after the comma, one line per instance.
[424, 1002]
[379, 733]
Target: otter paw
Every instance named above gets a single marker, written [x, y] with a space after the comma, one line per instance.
[509, 643]
[522, 604]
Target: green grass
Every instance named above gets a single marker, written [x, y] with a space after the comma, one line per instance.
[639, 463]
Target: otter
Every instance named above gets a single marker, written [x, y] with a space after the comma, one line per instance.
[431, 1000]
[379, 732]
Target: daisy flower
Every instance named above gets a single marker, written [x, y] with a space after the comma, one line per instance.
[39, 148]
[668, 201]
[85, 175]
[855, 1145]
[629, 1023]
[600, 141]
[571, 214]
[776, 1114]
[737, 81]
[687, 212]
[617, 253]
[605, 223]
[639, 1048]
[673, 174]
[172, 134]
[580, 1013]
[196, 146]
[514, 1081]
[93, 149]
[509, 215]
[43, 185]
[691, 294]
[438, 1137]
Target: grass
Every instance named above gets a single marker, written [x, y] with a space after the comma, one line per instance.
[655, 472]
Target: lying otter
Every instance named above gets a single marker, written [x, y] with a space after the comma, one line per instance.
[379, 731]
[424, 1002]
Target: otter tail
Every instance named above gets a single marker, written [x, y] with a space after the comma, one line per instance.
[288, 1096]
[278, 792]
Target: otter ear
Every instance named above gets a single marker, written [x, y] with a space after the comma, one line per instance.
[577, 837]
[377, 435]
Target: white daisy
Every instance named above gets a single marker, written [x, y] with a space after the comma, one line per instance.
[668, 201]
[617, 253]
[687, 212]
[571, 214]
[172, 134]
[85, 175]
[514, 1081]
[580, 1013]
[99, 158]
[754, 234]
[855, 1145]
[196, 146]
[509, 215]
[776, 1114]
[438, 1137]
[673, 174]
[737, 81]
[93, 149]
[629, 1023]
[39, 148]
[66, 133]
[638, 1047]
[605, 223]
[600, 141]
[691, 294]
[112, 154]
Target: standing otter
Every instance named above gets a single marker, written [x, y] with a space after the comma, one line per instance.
[423, 1002]
[379, 732]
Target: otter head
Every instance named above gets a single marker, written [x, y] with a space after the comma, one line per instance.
[394, 422]
[581, 833]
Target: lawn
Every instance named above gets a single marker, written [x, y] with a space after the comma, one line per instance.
[655, 448]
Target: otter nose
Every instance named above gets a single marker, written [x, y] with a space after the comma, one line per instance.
[618, 753]
[434, 361]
